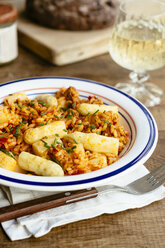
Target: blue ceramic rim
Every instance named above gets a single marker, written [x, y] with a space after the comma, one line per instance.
[148, 147]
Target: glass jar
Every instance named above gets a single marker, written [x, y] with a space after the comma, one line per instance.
[8, 34]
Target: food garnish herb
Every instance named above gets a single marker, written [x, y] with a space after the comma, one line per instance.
[62, 116]
[8, 153]
[92, 126]
[70, 150]
[21, 107]
[43, 113]
[56, 161]
[45, 144]
[63, 109]
[75, 141]
[41, 124]
[69, 116]
[31, 103]
[42, 103]
[69, 105]
[56, 142]
[11, 129]
[16, 134]
[105, 121]
[74, 105]
[95, 112]
[4, 131]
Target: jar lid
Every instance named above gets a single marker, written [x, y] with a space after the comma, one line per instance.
[7, 13]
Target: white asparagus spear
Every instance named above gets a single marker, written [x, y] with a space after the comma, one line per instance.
[9, 163]
[4, 114]
[40, 166]
[16, 96]
[47, 99]
[40, 147]
[95, 142]
[86, 108]
[32, 135]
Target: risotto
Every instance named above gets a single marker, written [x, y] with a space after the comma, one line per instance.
[59, 135]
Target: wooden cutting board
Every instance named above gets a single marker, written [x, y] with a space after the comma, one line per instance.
[62, 47]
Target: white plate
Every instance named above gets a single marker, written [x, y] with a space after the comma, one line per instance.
[133, 115]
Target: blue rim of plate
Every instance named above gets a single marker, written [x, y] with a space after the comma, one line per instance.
[148, 147]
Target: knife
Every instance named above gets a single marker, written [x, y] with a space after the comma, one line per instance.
[45, 203]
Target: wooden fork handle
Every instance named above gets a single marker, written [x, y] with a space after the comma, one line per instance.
[45, 203]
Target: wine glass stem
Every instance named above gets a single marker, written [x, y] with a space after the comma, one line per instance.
[139, 77]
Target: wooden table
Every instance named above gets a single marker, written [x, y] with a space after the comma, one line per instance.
[143, 227]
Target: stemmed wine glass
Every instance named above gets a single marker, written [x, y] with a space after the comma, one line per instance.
[138, 44]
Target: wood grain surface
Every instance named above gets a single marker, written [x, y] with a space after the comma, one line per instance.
[141, 228]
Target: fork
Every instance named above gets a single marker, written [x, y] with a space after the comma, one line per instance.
[145, 184]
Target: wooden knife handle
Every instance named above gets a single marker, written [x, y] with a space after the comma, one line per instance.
[45, 203]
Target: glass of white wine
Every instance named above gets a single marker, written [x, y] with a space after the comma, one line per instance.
[138, 44]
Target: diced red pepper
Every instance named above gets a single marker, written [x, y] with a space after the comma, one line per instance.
[13, 132]
[128, 135]
[55, 150]
[3, 140]
[77, 172]
[50, 111]
[70, 125]
[90, 97]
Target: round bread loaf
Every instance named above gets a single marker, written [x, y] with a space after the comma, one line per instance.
[72, 14]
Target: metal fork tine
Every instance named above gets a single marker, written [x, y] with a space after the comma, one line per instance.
[159, 180]
[154, 181]
[159, 183]
[145, 184]
[155, 174]
[151, 179]
[158, 171]
[159, 177]
[162, 179]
